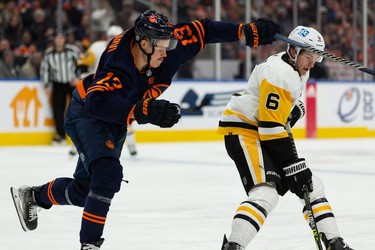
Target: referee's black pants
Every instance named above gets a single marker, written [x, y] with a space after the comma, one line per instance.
[61, 94]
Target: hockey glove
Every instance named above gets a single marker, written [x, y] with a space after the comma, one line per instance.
[297, 176]
[158, 112]
[297, 113]
[260, 32]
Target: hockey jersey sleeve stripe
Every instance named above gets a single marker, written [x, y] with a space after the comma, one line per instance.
[200, 31]
[240, 31]
[130, 117]
[81, 89]
[97, 88]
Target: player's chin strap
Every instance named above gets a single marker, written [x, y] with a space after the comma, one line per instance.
[147, 54]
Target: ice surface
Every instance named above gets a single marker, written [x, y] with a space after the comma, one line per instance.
[182, 196]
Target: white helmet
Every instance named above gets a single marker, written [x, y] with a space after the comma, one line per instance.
[308, 36]
[113, 31]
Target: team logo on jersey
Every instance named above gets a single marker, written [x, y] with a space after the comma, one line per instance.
[348, 105]
[109, 144]
[303, 32]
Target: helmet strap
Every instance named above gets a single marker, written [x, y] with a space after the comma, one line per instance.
[147, 54]
[297, 51]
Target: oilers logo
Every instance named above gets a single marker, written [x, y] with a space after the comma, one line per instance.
[349, 104]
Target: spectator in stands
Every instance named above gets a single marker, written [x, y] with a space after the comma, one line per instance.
[82, 31]
[4, 45]
[2, 26]
[13, 30]
[27, 46]
[39, 28]
[73, 12]
[8, 69]
[38, 16]
[9, 10]
[127, 15]
[102, 17]
[31, 68]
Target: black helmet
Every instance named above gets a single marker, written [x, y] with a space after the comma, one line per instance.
[153, 25]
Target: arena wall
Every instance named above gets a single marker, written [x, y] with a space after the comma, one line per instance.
[334, 110]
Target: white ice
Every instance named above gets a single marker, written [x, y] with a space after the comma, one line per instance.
[182, 196]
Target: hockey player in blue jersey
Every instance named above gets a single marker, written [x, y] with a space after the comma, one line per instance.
[136, 68]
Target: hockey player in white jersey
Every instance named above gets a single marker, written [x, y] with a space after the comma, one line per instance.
[254, 129]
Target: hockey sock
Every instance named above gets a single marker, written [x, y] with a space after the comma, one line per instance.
[94, 217]
[324, 217]
[252, 213]
[62, 191]
[105, 182]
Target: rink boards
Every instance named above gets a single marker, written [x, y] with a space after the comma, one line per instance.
[334, 110]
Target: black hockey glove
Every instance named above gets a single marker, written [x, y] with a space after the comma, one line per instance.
[260, 32]
[158, 112]
[298, 175]
[297, 113]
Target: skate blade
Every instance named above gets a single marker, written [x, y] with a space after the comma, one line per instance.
[17, 204]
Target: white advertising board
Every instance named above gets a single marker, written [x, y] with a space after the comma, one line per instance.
[349, 104]
[24, 107]
[202, 103]
[344, 109]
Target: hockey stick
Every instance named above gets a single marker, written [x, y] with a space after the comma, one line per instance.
[325, 54]
[306, 197]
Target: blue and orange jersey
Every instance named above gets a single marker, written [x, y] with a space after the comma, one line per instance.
[111, 94]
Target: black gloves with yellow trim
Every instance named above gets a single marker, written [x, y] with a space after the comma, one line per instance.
[158, 112]
[260, 32]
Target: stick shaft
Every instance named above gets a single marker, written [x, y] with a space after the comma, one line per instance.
[306, 197]
[325, 54]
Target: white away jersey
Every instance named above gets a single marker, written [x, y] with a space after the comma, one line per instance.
[261, 110]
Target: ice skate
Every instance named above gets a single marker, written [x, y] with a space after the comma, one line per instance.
[230, 245]
[336, 244]
[92, 245]
[26, 207]
[132, 149]
[58, 140]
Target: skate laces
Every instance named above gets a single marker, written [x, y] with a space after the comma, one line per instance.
[32, 212]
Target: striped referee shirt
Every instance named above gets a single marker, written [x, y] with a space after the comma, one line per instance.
[59, 67]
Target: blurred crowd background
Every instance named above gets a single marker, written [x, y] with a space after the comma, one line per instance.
[27, 28]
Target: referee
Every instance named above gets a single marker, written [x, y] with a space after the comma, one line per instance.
[58, 73]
